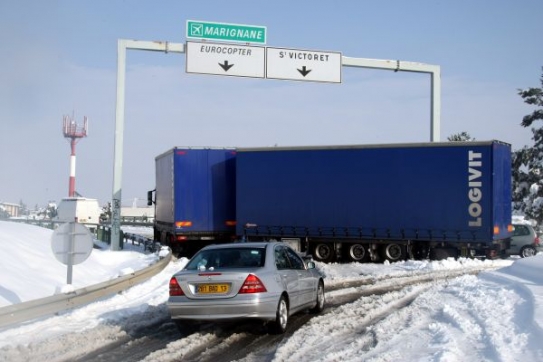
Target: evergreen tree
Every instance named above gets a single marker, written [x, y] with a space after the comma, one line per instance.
[527, 164]
[23, 209]
[460, 137]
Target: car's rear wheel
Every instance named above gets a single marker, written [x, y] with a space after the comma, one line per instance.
[279, 325]
[527, 251]
[320, 299]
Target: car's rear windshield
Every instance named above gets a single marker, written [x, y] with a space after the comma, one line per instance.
[521, 230]
[225, 258]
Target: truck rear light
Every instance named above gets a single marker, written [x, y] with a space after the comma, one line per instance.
[230, 223]
[496, 230]
[536, 240]
[252, 285]
[175, 289]
[182, 224]
[510, 228]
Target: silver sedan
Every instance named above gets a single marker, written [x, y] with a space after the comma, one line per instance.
[265, 281]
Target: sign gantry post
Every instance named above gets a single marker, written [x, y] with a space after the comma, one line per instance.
[122, 46]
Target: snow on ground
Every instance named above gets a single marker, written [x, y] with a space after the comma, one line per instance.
[496, 316]
[29, 269]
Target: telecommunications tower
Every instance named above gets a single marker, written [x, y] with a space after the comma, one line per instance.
[74, 132]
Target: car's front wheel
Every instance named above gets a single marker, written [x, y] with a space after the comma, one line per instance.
[527, 251]
[319, 306]
[279, 325]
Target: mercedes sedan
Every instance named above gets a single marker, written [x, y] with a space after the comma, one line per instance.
[265, 281]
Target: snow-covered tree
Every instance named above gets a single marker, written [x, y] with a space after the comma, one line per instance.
[106, 212]
[52, 210]
[528, 162]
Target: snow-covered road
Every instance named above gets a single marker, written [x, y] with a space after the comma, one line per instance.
[413, 310]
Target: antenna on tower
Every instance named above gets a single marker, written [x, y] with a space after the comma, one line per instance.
[74, 133]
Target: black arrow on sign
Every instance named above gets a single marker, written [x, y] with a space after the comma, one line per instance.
[304, 71]
[226, 66]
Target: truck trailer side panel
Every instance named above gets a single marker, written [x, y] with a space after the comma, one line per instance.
[432, 191]
[195, 194]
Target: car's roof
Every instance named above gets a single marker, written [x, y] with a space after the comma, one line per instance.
[522, 224]
[254, 244]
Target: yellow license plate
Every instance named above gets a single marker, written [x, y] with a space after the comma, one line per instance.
[212, 288]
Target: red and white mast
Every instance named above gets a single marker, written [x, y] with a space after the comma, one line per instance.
[74, 132]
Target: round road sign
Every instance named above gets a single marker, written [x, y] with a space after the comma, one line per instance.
[71, 243]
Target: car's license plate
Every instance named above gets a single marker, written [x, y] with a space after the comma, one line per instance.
[212, 288]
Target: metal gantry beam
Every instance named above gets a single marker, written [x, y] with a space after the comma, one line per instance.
[403, 66]
[166, 47]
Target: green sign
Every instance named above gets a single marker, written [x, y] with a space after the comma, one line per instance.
[226, 32]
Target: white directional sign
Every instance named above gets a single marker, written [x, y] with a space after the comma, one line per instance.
[225, 59]
[304, 65]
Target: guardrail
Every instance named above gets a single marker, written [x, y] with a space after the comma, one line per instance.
[50, 224]
[102, 232]
[26, 311]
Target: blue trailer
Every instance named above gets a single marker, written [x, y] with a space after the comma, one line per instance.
[194, 197]
[378, 202]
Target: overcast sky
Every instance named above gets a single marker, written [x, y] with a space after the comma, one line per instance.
[60, 58]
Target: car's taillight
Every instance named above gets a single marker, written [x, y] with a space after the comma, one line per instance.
[252, 285]
[175, 289]
[536, 240]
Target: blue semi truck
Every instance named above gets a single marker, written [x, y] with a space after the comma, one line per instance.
[348, 203]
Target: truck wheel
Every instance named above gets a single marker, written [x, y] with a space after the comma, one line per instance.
[279, 325]
[393, 252]
[358, 252]
[527, 251]
[324, 252]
